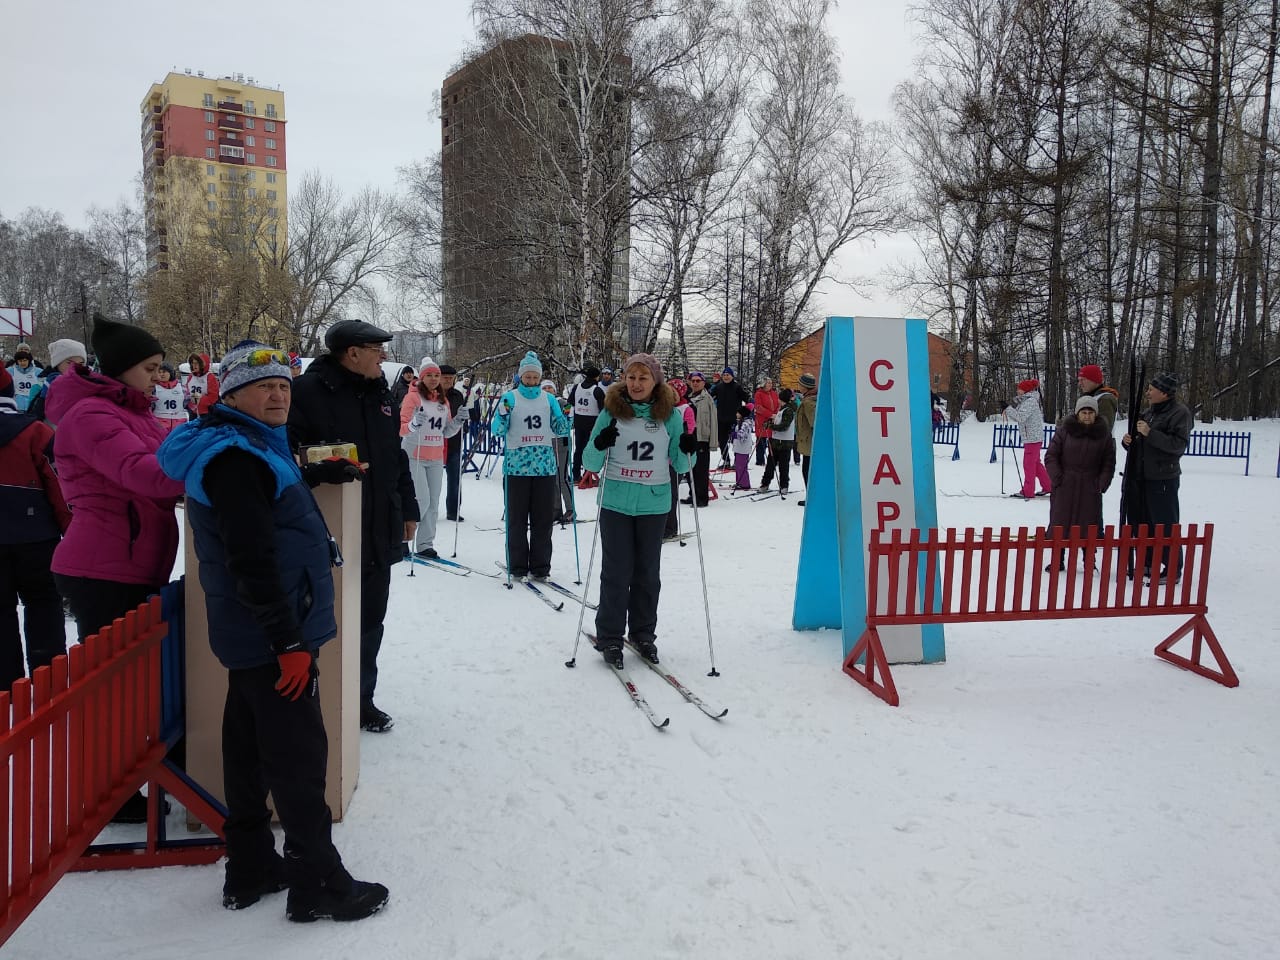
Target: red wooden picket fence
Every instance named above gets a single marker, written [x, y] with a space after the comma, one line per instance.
[970, 576]
[77, 740]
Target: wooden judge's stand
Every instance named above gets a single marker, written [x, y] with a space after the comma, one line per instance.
[339, 662]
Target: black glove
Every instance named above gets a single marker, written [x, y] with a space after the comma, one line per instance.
[607, 437]
[688, 443]
[331, 470]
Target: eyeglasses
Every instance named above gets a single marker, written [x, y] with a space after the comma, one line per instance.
[369, 346]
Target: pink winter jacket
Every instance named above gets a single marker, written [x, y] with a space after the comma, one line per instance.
[122, 505]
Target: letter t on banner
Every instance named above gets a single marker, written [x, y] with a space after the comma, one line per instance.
[872, 469]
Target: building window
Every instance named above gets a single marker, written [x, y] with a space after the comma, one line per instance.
[208, 99]
[227, 151]
[208, 152]
[251, 175]
[213, 206]
[250, 140]
[271, 109]
[208, 134]
[208, 169]
[212, 187]
[274, 212]
[271, 178]
[251, 157]
[271, 229]
[271, 144]
[249, 107]
[271, 194]
[271, 162]
[269, 126]
[252, 193]
[248, 123]
[213, 224]
[208, 116]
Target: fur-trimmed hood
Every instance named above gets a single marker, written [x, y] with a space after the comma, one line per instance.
[616, 402]
[1074, 427]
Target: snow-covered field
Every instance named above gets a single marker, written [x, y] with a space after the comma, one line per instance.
[1052, 791]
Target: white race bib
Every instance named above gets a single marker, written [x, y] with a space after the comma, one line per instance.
[640, 453]
[530, 422]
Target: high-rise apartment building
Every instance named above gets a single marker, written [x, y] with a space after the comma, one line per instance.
[514, 269]
[213, 163]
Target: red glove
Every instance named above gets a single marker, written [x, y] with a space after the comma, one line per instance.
[295, 673]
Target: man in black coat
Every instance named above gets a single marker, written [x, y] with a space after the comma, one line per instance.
[730, 397]
[343, 398]
[587, 400]
[1164, 428]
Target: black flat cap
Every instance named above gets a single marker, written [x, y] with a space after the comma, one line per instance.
[352, 333]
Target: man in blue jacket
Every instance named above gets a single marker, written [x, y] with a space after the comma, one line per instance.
[265, 557]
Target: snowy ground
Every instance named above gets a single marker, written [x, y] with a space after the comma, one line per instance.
[1052, 791]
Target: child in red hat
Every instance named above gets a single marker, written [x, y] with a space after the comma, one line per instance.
[1028, 414]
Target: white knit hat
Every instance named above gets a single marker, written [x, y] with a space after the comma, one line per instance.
[61, 350]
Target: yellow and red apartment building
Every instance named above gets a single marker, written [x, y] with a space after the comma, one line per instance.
[211, 146]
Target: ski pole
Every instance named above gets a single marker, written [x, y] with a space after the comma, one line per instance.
[506, 540]
[702, 568]
[577, 556]
[591, 559]
[1002, 449]
[457, 506]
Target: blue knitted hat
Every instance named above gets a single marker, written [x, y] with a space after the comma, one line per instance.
[250, 361]
[530, 362]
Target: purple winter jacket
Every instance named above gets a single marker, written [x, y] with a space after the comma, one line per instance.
[122, 505]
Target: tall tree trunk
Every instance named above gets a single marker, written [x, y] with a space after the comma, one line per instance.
[1251, 356]
[1203, 364]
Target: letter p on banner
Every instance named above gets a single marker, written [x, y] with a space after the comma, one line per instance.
[872, 470]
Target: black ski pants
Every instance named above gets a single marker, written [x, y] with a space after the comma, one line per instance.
[630, 567]
[672, 526]
[96, 603]
[702, 473]
[582, 427]
[375, 590]
[780, 460]
[271, 743]
[531, 506]
[1160, 510]
[452, 474]
[25, 576]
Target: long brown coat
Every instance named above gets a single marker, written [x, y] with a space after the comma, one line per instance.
[1081, 462]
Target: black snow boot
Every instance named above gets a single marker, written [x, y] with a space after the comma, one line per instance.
[240, 890]
[612, 654]
[647, 649]
[349, 900]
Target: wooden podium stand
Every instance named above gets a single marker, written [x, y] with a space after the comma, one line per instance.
[339, 663]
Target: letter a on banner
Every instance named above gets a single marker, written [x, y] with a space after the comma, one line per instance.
[872, 469]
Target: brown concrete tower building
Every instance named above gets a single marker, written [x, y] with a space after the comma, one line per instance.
[522, 251]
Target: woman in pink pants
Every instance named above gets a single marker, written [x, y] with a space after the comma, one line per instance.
[1028, 414]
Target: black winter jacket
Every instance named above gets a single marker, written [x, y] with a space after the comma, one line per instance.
[1163, 447]
[331, 405]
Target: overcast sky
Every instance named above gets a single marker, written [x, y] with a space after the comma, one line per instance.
[360, 81]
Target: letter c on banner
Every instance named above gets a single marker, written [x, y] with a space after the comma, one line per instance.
[888, 384]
